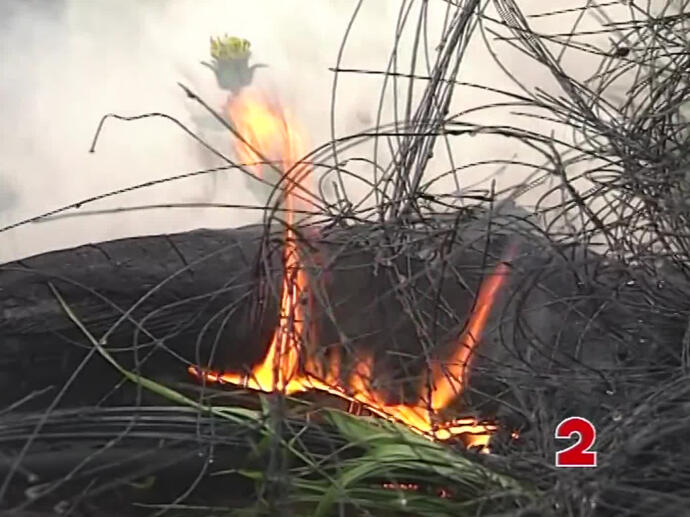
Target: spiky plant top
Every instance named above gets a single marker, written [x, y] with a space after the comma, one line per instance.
[230, 62]
[229, 48]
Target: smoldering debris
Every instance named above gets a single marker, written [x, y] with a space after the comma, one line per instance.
[593, 322]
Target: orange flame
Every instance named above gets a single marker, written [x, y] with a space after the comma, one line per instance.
[271, 133]
[267, 130]
[287, 366]
[449, 377]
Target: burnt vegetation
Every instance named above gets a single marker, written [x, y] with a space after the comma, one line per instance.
[99, 416]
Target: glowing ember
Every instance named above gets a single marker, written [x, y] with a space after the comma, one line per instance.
[288, 366]
[407, 487]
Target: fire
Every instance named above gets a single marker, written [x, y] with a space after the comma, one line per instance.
[448, 377]
[267, 130]
[270, 133]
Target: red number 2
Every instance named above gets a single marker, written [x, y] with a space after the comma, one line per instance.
[578, 454]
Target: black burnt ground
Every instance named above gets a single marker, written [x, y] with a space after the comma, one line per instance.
[554, 345]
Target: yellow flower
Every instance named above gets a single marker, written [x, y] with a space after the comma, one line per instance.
[229, 47]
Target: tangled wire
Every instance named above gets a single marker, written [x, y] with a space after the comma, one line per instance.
[593, 321]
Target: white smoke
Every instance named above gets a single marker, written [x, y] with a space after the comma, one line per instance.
[68, 62]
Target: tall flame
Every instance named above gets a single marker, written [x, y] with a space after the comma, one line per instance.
[449, 377]
[270, 133]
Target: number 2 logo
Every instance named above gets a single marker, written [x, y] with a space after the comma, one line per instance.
[578, 454]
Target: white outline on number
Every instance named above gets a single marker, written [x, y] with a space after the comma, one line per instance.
[578, 442]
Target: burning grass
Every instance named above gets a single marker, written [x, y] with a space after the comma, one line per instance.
[270, 136]
[576, 307]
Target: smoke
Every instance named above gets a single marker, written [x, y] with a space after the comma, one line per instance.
[68, 62]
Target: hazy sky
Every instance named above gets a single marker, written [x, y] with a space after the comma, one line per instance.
[65, 63]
